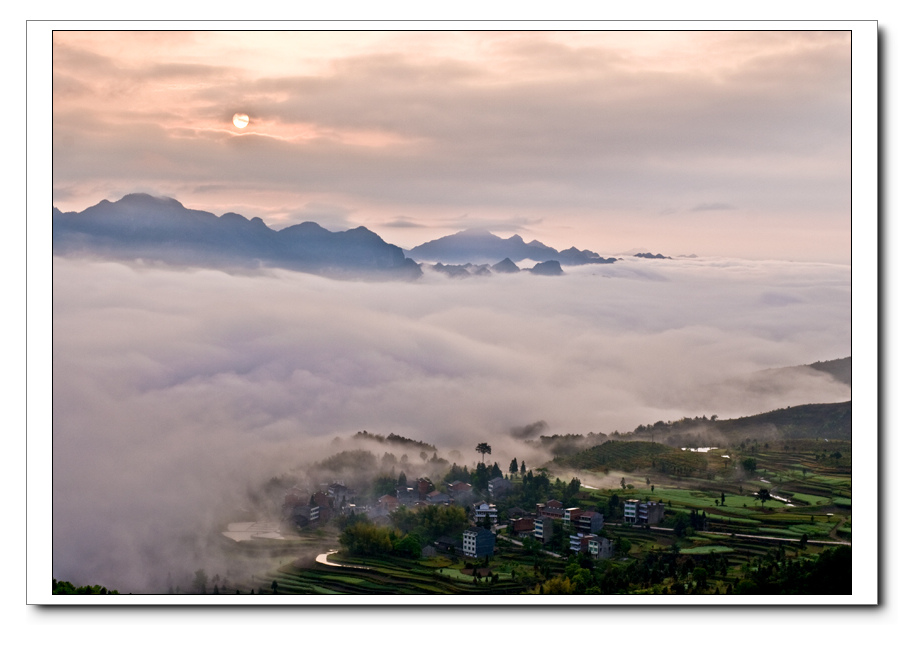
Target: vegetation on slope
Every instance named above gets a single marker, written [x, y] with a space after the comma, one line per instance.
[629, 456]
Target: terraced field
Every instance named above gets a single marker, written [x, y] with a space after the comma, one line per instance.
[392, 576]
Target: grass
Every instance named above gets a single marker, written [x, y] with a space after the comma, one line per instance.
[703, 550]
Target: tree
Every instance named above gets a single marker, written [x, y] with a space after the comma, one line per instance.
[513, 467]
[682, 522]
[523, 469]
[201, 581]
[699, 575]
[763, 495]
[484, 449]
[623, 485]
[274, 587]
[749, 465]
[403, 480]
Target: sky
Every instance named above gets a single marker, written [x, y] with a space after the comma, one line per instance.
[712, 143]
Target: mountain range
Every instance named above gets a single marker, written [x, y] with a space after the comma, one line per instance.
[160, 229]
[480, 246]
[140, 226]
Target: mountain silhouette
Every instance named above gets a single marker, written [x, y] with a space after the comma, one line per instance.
[142, 227]
[481, 246]
[550, 267]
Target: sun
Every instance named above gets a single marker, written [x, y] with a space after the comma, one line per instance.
[240, 120]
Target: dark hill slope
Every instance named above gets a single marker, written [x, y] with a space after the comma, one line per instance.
[635, 455]
[812, 421]
[839, 369]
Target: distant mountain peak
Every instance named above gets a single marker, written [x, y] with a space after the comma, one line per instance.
[475, 232]
[476, 246]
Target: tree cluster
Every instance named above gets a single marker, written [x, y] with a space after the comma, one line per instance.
[64, 587]
[365, 538]
[829, 574]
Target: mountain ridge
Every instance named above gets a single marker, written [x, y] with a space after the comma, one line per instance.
[143, 227]
[479, 246]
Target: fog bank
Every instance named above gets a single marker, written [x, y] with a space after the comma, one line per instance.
[175, 391]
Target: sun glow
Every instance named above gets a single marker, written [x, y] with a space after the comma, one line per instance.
[240, 120]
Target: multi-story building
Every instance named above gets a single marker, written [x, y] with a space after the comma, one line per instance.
[595, 545]
[323, 501]
[304, 514]
[588, 522]
[637, 512]
[570, 515]
[543, 528]
[477, 542]
[578, 542]
[599, 547]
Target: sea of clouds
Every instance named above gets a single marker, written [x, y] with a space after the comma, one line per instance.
[175, 391]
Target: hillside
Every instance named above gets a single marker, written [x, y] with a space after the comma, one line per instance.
[816, 420]
[839, 369]
[629, 456]
[397, 440]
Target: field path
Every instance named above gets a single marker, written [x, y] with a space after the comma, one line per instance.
[322, 559]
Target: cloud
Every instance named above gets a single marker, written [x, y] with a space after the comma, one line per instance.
[713, 206]
[175, 392]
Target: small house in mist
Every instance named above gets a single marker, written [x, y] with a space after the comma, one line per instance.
[553, 509]
[478, 542]
[438, 497]
[405, 495]
[424, 488]
[482, 510]
[522, 527]
[387, 503]
[499, 487]
[458, 490]
[340, 493]
[447, 544]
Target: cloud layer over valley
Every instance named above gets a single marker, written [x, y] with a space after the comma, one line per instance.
[173, 391]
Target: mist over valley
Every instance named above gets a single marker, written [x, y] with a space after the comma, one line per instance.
[179, 393]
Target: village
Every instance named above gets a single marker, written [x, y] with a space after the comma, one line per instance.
[715, 530]
[560, 529]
